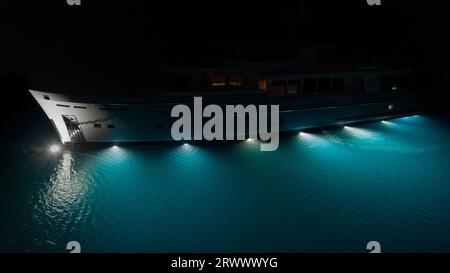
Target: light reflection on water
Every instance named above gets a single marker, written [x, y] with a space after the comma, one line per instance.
[62, 201]
[328, 190]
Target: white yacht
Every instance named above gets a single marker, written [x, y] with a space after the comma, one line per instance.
[308, 97]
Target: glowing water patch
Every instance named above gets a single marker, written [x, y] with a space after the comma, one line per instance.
[312, 140]
[187, 147]
[360, 132]
[410, 118]
[113, 154]
[385, 122]
[377, 139]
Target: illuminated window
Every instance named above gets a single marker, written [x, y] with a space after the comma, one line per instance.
[235, 80]
[391, 107]
[218, 80]
[262, 85]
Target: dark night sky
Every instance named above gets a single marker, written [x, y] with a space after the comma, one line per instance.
[47, 44]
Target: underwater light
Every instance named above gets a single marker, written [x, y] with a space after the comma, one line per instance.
[187, 147]
[115, 147]
[250, 140]
[54, 149]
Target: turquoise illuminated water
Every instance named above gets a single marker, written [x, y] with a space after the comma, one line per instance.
[329, 190]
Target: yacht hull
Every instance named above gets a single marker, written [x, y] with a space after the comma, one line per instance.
[79, 120]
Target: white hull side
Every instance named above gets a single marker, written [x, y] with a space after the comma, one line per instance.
[152, 122]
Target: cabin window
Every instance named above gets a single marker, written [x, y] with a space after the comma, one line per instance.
[111, 126]
[235, 80]
[354, 84]
[80, 107]
[203, 80]
[46, 97]
[278, 87]
[300, 86]
[97, 125]
[292, 87]
[62, 105]
[218, 80]
[324, 85]
[309, 85]
[262, 84]
[337, 85]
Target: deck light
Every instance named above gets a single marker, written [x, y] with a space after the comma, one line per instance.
[55, 149]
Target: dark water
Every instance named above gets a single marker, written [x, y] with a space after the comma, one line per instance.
[330, 190]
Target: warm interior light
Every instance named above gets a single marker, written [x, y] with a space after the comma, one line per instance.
[262, 85]
[391, 107]
[235, 80]
[218, 80]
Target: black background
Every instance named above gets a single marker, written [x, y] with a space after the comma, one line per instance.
[52, 46]
[114, 45]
